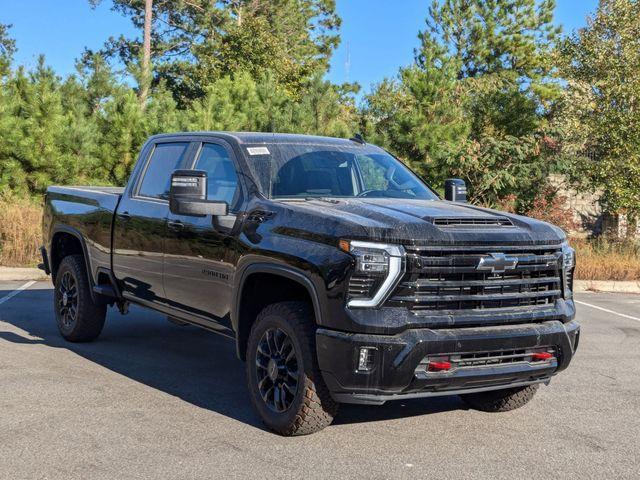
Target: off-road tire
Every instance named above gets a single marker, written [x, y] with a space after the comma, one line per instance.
[89, 317]
[312, 407]
[501, 400]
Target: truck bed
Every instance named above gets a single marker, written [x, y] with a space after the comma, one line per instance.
[86, 212]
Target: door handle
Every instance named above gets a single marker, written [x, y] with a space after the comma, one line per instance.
[175, 225]
[125, 216]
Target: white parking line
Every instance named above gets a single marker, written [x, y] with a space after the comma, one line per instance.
[16, 291]
[604, 310]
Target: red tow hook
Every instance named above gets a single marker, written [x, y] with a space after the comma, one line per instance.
[541, 356]
[433, 366]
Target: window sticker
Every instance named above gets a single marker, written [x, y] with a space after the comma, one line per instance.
[258, 150]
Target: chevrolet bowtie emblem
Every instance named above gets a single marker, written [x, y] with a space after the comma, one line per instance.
[497, 263]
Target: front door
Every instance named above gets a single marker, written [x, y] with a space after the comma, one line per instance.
[199, 261]
[140, 224]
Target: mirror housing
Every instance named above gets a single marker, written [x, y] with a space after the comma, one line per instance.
[455, 190]
[188, 195]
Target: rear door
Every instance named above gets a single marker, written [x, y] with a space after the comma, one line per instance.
[200, 252]
[140, 222]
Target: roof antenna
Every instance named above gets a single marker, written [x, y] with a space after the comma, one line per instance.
[358, 138]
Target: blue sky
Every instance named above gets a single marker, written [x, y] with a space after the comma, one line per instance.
[378, 36]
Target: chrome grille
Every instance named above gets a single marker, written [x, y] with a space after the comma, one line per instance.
[448, 279]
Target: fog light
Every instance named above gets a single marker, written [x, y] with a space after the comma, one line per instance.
[366, 359]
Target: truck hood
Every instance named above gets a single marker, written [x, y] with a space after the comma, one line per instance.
[414, 222]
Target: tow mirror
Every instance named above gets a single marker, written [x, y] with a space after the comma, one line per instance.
[455, 190]
[188, 195]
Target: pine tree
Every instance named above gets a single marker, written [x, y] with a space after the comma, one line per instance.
[79, 136]
[41, 120]
[478, 99]
[197, 42]
[229, 104]
[322, 110]
[12, 176]
[421, 115]
[122, 133]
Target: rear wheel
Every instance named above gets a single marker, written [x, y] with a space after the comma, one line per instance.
[79, 318]
[284, 380]
[501, 400]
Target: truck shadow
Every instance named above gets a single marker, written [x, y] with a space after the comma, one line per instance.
[192, 364]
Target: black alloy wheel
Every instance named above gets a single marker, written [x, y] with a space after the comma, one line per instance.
[68, 300]
[277, 370]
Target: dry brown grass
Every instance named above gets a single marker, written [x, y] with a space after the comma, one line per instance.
[20, 231]
[603, 259]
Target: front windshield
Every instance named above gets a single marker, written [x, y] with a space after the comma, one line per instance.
[307, 171]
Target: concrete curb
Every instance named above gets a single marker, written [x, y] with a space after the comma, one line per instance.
[18, 273]
[611, 286]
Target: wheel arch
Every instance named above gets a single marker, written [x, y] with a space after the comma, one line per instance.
[66, 241]
[299, 287]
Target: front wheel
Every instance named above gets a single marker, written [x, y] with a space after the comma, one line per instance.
[285, 383]
[501, 400]
[79, 318]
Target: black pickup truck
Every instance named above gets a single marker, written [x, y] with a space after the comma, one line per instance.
[342, 276]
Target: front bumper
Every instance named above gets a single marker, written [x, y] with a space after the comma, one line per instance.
[395, 372]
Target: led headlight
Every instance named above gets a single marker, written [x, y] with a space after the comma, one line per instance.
[378, 269]
[568, 266]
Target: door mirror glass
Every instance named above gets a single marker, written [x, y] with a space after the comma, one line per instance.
[188, 195]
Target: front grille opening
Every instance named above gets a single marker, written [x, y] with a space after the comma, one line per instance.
[449, 281]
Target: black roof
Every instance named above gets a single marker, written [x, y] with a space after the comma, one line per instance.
[261, 137]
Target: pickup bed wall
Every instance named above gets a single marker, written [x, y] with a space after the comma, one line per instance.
[87, 212]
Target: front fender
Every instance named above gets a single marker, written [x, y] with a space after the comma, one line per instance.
[259, 264]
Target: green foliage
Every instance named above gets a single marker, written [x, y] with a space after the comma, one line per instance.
[509, 37]
[420, 117]
[601, 63]
[477, 102]
[88, 128]
[196, 42]
[7, 49]
[487, 99]
[242, 103]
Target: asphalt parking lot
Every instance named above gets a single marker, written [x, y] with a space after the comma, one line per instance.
[153, 400]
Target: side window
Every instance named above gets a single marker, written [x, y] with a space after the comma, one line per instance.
[166, 158]
[222, 180]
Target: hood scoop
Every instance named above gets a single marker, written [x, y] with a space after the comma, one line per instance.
[471, 222]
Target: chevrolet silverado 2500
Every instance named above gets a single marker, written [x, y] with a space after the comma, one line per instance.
[341, 275]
